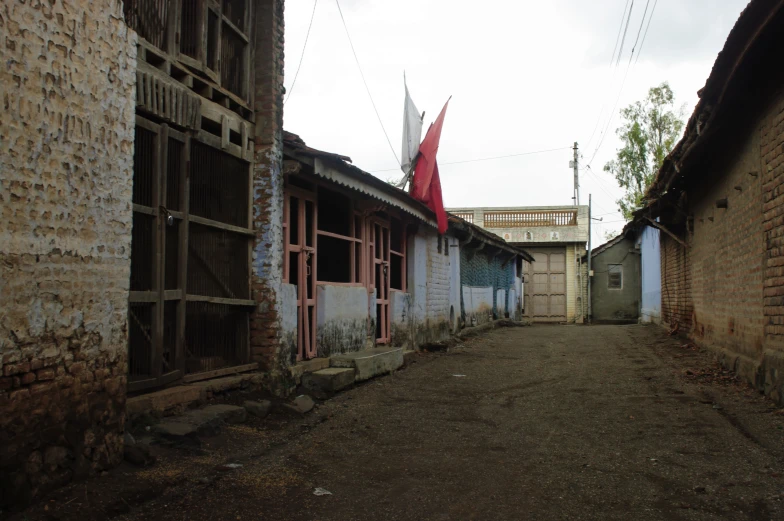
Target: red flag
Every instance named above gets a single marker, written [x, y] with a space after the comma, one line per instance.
[426, 185]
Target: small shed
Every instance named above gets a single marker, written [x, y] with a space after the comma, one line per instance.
[616, 283]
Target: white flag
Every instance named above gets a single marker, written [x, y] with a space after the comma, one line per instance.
[412, 131]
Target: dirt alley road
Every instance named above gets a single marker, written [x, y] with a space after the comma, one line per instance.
[549, 422]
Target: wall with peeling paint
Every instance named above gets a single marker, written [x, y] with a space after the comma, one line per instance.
[66, 170]
[478, 305]
[342, 319]
[430, 284]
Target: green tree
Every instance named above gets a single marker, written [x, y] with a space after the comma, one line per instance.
[650, 129]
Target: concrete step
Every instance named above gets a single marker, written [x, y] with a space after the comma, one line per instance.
[369, 363]
[307, 366]
[331, 380]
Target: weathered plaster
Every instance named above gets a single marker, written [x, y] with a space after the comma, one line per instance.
[66, 153]
[478, 304]
[288, 323]
[342, 318]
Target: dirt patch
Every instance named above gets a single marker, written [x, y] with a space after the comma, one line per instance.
[569, 422]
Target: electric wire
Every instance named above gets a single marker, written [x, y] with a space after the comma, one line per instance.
[337, 2]
[623, 40]
[486, 158]
[623, 83]
[646, 31]
[614, 70]
[302, 56]
[642, 22]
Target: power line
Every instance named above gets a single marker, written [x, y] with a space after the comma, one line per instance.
[302, 56]
[614, 70]
[623, 40]
[646, 31]
[637, 39]
[599, 182]
[487, 158]
[337, 2]
[618, 36]
[623, 83]
[617, 62]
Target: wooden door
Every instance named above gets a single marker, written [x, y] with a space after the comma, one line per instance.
[189, 302]
[379, 276]
[546, 291]
[156, 307]
[301, 266]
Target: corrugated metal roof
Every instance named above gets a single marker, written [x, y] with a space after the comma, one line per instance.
[356, 178]
[337, 169]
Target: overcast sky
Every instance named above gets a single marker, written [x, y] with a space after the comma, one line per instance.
[523, 75]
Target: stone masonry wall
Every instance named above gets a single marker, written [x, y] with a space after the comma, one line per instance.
[67, 86]
[267, 270]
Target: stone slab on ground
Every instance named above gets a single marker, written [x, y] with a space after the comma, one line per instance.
[161, 401]
[332, 379]
[219, 385]
[200, 422]
[370, 363]
[259, 409]
[228, 413]
[301, 404]
[409, 355]
[175, 429]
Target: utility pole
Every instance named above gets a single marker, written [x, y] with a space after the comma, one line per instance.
[589, 254]
[576, 167]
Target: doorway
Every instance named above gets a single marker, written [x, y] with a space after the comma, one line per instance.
[300, 267]
[379, 276]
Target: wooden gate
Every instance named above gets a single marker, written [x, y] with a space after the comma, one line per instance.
[546, 285]
[190, 258]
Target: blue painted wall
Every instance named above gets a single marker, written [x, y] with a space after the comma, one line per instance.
[651, 275]
[481, 271]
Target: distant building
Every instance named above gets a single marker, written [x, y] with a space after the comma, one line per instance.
[616, 281]
[555, 283]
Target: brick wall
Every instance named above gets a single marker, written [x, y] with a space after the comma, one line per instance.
[771, 377]
[437, 276]
[267, 269]
[726, 251]
[66, 150]
[772, 162]
[677, 306]
[723, 289]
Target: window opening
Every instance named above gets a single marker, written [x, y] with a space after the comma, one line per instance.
[615, 276]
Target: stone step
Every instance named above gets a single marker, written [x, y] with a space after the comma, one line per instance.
[369, 363]
[331, 380]
[200, 422]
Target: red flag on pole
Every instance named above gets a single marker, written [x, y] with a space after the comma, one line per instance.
[426, 185]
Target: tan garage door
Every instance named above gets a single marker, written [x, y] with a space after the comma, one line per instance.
[545, 288]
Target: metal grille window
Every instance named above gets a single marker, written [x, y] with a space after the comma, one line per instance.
[615, 276]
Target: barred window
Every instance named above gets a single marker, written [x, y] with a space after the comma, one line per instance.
[615, 276]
